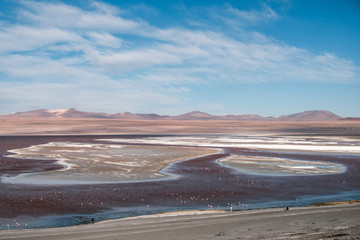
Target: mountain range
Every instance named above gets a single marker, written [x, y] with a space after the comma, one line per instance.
[316, 115]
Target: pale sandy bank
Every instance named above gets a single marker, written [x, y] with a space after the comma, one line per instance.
[326, 222]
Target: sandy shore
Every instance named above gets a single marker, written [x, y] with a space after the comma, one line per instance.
[326, 222]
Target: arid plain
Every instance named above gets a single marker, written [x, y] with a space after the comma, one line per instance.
[71, 126]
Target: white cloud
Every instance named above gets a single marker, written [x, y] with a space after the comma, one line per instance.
[103, 17]
[109, 96]
[238, 18]
[106, 8]
[105, 39]
[42, 68]
[135, 61]
[253, 16]
[24, 38]
[59, 27]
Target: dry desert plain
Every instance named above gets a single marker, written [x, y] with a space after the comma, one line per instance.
[69, 126]
[325, 222]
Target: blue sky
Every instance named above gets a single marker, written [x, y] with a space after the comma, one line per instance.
[170, 57]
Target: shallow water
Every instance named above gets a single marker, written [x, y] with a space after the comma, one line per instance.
[202, 183]
[274, 166]
[85, 163]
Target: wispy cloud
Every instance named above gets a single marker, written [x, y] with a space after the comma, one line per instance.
[100, 17]
[253, 16]
[56, 43]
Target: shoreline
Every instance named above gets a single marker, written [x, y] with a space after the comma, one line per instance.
[340, 221]
[33, 222]
[204, 212]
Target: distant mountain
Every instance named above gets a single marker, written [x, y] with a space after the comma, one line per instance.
[246, 117]
[127, 115]
[73, 113]
[57, 113]
[195, 115]
[152, 116]
[31, 114]
[322, 115]
[352, 118]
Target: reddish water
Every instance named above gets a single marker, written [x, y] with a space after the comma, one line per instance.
[202, 182]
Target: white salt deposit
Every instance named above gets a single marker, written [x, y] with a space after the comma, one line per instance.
[101, 163]
[282, 143]
[281, 166]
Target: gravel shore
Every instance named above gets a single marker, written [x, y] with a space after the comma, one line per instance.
[325, 222]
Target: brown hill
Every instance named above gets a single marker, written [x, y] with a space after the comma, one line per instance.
[245, 117]
[73, 113]
[125, 115]
[128, 115]
[352, 118]
[322, 115]
[57, 113]
[41, 113]
[195, 115]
